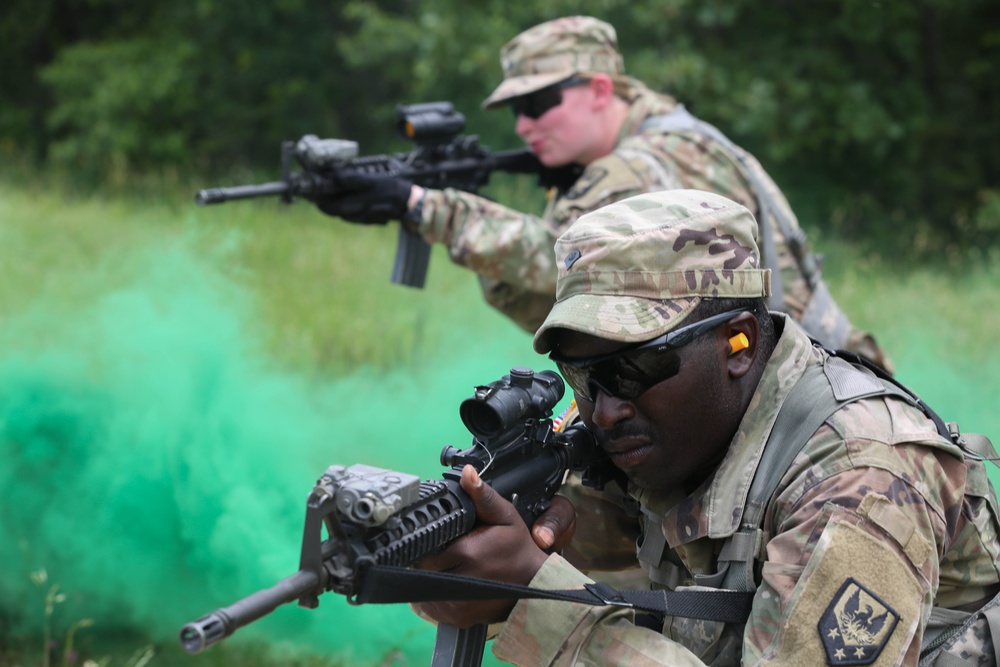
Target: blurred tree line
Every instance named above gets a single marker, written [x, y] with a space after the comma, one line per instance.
[868, 111]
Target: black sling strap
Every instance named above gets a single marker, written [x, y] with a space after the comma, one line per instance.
[385, 585]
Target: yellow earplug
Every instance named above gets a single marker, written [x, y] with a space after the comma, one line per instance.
[738, 342]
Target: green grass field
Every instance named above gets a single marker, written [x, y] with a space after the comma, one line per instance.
[173, 379]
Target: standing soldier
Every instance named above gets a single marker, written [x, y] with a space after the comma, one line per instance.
[565, 82]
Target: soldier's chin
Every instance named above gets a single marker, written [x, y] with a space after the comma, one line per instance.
[553, 161]
[545, 155]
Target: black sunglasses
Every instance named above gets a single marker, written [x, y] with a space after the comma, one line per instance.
[534, 105]
[628, 373]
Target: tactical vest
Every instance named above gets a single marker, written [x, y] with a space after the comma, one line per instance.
[822, 390]
[822, 319]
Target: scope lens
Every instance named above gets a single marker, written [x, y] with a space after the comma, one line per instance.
[481, 419]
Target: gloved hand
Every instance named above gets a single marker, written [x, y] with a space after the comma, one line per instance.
[370, 200]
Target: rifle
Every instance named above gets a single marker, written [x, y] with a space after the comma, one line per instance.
[442, 158]
[377, 518]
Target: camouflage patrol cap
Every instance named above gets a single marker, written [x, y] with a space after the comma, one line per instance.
[635, 269]
[554, 51]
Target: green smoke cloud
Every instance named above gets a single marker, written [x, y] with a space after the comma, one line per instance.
[156, 466]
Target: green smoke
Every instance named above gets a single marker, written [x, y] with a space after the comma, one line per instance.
[156, 466]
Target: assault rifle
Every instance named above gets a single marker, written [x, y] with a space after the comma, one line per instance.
[379, 519]
[442, 158]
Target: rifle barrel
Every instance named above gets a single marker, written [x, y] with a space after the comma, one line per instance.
[219, 195]
[218, 625]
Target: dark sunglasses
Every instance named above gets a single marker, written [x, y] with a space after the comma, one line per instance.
[628, 373]
[534, 105]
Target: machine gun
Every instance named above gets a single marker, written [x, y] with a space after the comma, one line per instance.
[377, 518]
[442, 158]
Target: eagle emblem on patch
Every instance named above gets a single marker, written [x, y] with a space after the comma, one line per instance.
[856, 625]
[589, 179]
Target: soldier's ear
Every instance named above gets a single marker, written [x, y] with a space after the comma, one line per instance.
[602, 87]
[741, 345]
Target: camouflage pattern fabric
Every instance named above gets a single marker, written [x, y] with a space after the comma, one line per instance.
[512, 251]
[877, 520]
[635, 269]
[553, 51]
[973, 644]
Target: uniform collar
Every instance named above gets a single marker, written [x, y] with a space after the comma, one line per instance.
[643, 103]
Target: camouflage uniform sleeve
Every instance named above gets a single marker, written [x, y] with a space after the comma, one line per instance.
[512, 252]
[491, 239]
[853, 568]
[549, 632]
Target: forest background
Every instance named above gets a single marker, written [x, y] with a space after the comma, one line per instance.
[155, 356]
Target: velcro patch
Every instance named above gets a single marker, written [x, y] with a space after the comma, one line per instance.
[856, 625]
[884, 514]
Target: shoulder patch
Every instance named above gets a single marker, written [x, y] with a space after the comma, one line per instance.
[589, 179]
[855, 626]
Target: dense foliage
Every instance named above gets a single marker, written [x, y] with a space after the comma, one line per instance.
[889, 109]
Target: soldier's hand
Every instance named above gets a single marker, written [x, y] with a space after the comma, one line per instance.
[498, 548]
[555, 527]
[370, 200]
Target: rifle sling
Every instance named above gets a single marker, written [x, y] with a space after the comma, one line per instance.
[382, 584]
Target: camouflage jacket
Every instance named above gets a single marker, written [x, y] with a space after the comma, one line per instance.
[512, 251]
[878, 519]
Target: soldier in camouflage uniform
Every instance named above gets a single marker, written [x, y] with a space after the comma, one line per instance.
[878, 519]
[565, 82]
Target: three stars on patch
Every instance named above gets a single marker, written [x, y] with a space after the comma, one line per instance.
[856, 625]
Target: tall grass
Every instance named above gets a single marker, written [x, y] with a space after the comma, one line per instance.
[186, 374]
[181, 375]
[320, 289]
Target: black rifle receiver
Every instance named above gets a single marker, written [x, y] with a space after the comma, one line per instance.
[442, 158]
[376, 517]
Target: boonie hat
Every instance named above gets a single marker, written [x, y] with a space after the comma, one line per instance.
[635, 269]
[553, 51]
